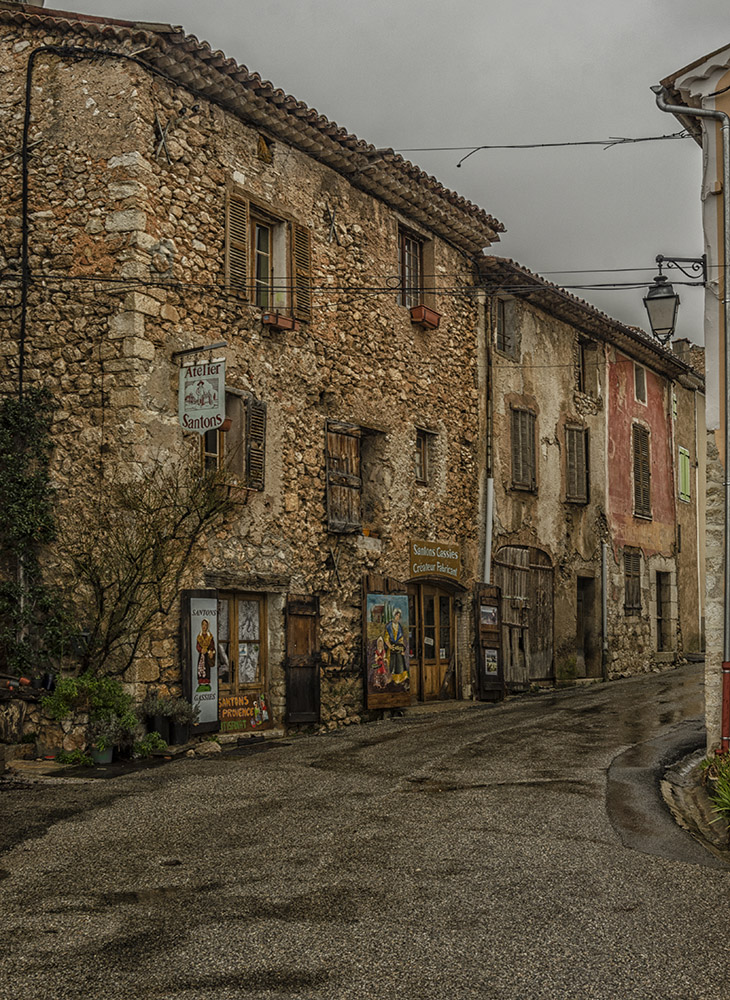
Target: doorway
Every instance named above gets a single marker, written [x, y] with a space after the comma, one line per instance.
[663, 612]
[431, 642]
[525, 575]
[585, 628]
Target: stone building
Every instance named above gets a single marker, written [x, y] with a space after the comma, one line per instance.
[584, 455]
[162, 198]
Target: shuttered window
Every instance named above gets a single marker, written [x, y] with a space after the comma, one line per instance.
[411, 269]
[344, 482]
[642, 472]
[523, 450]
[255, 443]
[302, 271]
[684, 475]
[505, 339]
[576, 464]
[268, 260]
[632, 581]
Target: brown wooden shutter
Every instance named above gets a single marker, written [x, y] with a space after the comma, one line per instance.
[237, 244]
[523, 449]
[642, 472]
[302, 271]
[302, 658]
[255, 443]
[344, 484]
[576, 464]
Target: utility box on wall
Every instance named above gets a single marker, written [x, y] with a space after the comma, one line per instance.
[489, 666]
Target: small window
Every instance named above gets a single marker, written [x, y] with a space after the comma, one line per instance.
[523, 450]
[587, 368]
[642, 472]
[240, 450]
[268, 260]
[576, 465]
[411, 269]
[640, 383]
[424, 444]
[632, 581]
[684, 475]
[504, 327]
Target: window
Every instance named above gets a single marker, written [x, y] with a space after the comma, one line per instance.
[632, 581]
[240, 450]
[424, 445]
[241, 645]
[684, 475]
[642, 472]
[587, 369]
[576, 464]
[640, 383]
[411, 269]
[268, 260]
[523, 450]
[344, 483]
[504, 326]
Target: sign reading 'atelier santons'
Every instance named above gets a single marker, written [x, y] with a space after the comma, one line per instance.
[429, 558]
[202, 396]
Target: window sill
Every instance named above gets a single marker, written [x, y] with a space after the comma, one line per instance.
[427, 319]
[643, 517]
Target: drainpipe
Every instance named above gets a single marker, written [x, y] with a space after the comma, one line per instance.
[488, 532]
[719, 116]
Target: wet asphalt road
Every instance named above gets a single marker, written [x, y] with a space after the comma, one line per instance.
[466, 853]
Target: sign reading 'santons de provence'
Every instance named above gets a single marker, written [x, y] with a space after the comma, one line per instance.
[202, 396]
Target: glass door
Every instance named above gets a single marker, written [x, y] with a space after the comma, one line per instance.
[437, 616]
[243, 702]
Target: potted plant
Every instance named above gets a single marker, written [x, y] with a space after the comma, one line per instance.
[183, 716]
[157, 709]
[109, 732]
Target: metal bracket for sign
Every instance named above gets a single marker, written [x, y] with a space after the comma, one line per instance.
[200, 350]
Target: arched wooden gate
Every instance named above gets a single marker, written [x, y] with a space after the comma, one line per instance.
[525, 575]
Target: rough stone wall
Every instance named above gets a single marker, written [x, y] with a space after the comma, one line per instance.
[128, 261]
[543, 377]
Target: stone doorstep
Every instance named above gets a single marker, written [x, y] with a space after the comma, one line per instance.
[690, 805]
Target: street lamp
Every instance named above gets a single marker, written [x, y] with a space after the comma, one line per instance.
[662, 301]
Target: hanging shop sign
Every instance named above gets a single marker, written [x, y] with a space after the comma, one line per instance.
[202, 396]
[439, 559]
[387, 657]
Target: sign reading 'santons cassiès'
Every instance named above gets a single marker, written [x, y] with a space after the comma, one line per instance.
[202, 396]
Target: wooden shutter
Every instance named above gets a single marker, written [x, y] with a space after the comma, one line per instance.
[632, 578]
[576, 464]
[344, 483]
[255, 443]
[302, 658]
[523, 449]
[642, 472]
[237, 244]
[234, 437]
[302, 271]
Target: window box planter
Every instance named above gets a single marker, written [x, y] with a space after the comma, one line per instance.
[424, 317]
[278, 321]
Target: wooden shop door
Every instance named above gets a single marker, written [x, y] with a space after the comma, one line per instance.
[437, 637]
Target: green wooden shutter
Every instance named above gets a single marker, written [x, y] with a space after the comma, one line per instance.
[302, 271]
[684, 475]
[255, 443]
[237, 244]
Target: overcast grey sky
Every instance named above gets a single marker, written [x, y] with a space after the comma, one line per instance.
[425, 73]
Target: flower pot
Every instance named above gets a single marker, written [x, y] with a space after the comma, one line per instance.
[179, 733]
[426, 318]
[101, 756]
[161, 725]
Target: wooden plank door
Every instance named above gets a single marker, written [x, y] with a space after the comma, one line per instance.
[540, 616]
[302, 658]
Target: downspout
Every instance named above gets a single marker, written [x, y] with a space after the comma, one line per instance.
[604, 610]
[489, 511]
[722, 117]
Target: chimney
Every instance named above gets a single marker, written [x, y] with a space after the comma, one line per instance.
[681, 348]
